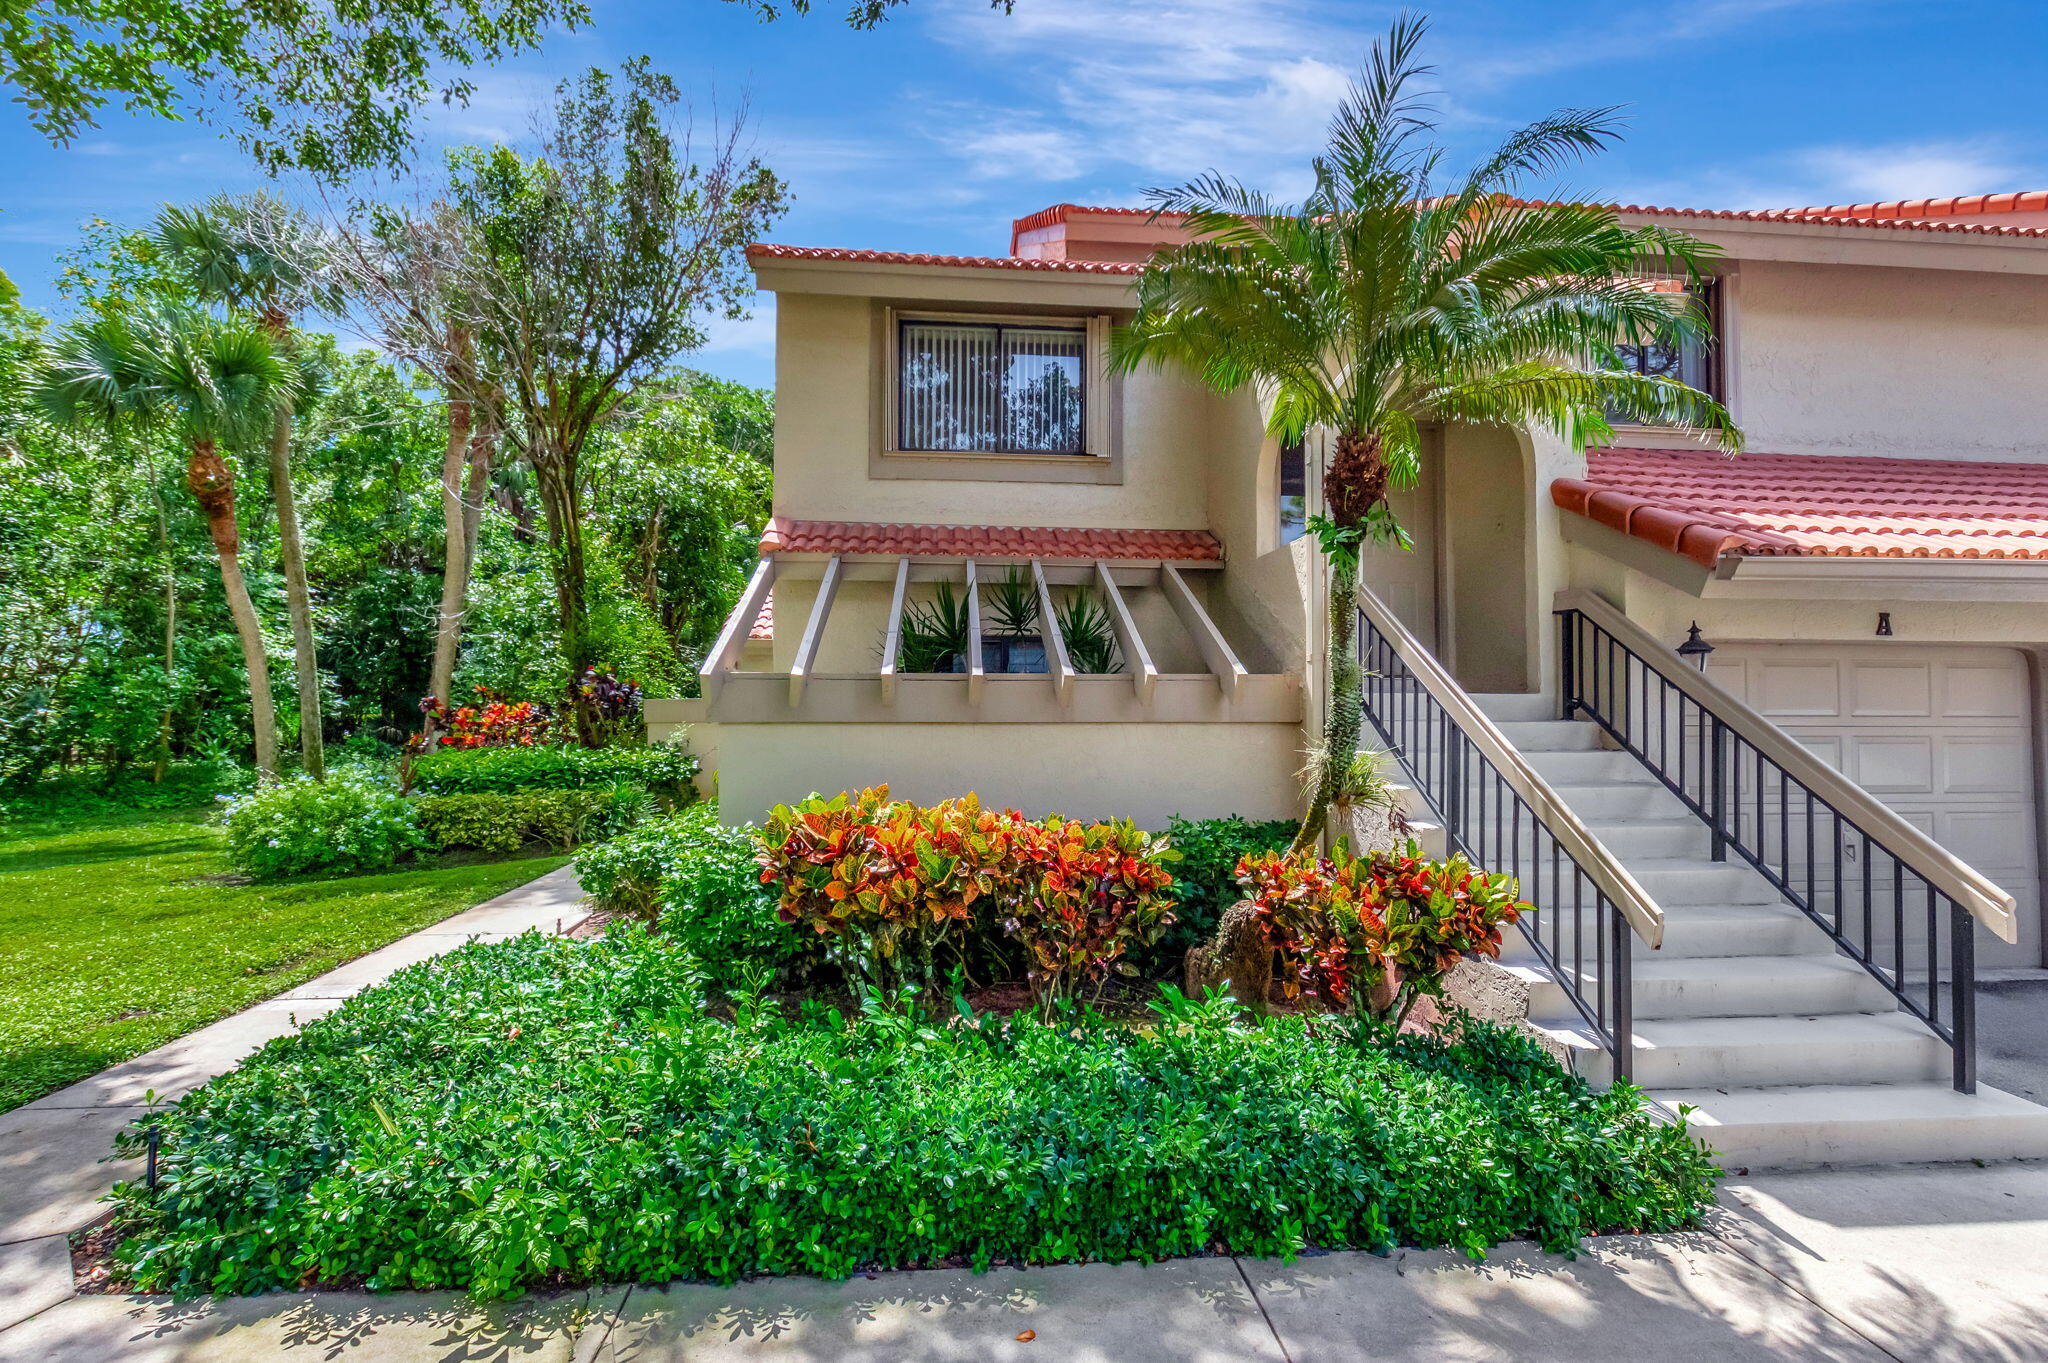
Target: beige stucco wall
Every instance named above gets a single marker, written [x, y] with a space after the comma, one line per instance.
[1145, 772]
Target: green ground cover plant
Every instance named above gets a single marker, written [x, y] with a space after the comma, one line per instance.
[547, 1110]
[1205, 879]
[120, 931]
[664, 769]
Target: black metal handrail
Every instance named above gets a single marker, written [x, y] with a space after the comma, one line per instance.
[1579, 932]
[1880, 910]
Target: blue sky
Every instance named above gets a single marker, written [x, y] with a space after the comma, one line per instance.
[934, 131]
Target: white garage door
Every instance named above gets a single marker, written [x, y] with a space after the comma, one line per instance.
[1942, 735]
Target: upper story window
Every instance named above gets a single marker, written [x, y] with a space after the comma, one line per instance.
[992, 387]
[1693, 361]
[1293, 491]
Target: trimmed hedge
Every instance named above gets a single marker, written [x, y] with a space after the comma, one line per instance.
[666, 769]
[504, 823]
[540, 1109]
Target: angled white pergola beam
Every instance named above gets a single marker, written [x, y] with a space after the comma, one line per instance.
[1144, 674]
[814, 630]
[1209, 640]
[975, 674]
[726, 650]
[1056, 659]
[892, 639]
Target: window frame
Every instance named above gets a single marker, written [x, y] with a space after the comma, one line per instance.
[1077, 326]
[1716, 300]
[1100, 459]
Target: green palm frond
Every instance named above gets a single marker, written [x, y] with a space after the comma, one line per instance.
[217, 377]
[1386, 299]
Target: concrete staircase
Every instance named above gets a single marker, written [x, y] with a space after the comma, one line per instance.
[1792, 1054]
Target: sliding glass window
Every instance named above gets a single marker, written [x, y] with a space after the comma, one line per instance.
[993, 388]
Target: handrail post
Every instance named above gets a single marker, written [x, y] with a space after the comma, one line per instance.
[1568, 661]
[1962, 993]
[1717, 784]
[1620, 948]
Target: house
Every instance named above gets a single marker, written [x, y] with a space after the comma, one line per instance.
[1768, 865]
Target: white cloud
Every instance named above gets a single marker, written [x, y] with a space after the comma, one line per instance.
[1846, 174]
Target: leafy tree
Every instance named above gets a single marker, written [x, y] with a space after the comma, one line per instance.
[328, 89]
[1392, 297]
[260, 254]
[600, 258]
[217, 381]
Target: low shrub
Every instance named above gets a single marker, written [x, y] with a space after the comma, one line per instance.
[345, 823]
[700, 883]
[1376, 933]
[664, 769]
[494, 822]
[1205, 879]
[895, 882]
[539, 1110]
[491, 722]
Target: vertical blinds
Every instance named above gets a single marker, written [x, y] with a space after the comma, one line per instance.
[991, 388]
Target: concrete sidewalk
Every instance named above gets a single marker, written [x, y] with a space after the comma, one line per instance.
[1943, 1264]
[54, 1152]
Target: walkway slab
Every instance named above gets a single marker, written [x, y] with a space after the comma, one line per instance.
[553, 903]
[1627, 1299]
[346, 981]
[34, 1274]
[173, 1070]
[316, 1327]
[1934, 1263]
[55, 1166]
[1186, 1311]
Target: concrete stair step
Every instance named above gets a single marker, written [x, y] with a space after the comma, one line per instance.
[1551, 735]
[1653, 838]
[1725, 986]
[1592, 767]
[1510, 706]
[1711, 930]
[1675, 883]
[1761, 1052]
[1607, 801]
[1808, 1125]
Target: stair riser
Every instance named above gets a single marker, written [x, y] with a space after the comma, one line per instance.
[1676, 840]
[1776, 936]
[1554, 735]
[1588, 768]
[1593, 803]
[1895, 1061]
[1733, 997]
[1720, 885]
[1505, 708]
[1807, 1145]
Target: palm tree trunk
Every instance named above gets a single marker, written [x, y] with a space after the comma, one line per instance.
[163, 532]
[312, 743]
[212, 485]
[1346, 716]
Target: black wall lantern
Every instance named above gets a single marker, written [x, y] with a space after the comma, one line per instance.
[1695, 649]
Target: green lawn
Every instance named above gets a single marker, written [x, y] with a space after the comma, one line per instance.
[116, 935]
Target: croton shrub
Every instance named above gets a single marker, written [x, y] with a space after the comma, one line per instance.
[1374, 934]
[900, 884]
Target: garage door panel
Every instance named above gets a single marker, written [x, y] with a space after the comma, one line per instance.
[1885, 690]
[1798, 688]
[1987, 839]
[1986, 766]
[1970, 692]
[1888, 765]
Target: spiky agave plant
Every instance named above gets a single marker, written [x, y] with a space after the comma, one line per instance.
[1394, 296]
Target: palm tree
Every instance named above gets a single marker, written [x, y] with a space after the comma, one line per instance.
[218, 381]
[1390, 298]
[263, 255]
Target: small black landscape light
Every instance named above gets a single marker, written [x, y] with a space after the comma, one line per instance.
[1884, 624]
[1695, 649]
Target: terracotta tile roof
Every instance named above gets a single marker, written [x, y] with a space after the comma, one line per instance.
[784, 536]
[1968, 205]
[762, 250]
[764, 623]
[1706, 505]
[1058, 213]
[1830, 218]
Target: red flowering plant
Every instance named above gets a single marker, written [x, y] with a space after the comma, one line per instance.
[490, 722]
[892, 879]
[898, 882]
[1090, 893]
[1375, 934]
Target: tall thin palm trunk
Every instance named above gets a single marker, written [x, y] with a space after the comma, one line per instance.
[1347, 710]
[292, 550]
[455, 559]
[213, 486]
[163, 533]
